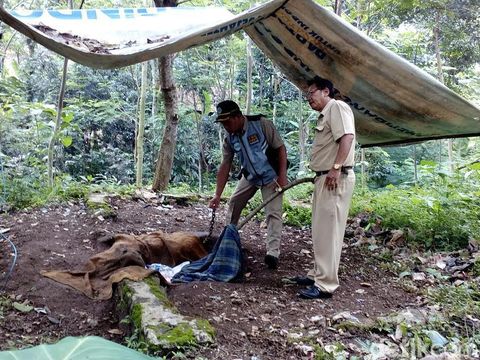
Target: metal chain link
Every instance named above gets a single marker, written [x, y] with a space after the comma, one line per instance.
[212, 223]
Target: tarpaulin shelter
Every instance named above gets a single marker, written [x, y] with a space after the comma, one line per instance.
[394, 101]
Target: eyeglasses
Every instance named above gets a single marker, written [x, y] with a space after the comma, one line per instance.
[310, 93]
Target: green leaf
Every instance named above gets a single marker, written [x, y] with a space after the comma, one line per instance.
[428, 163]
[208, 100]
[23, 307]
[67, 117]
[76, 348]
[435, 273]
[49, 111]
[475, 166]
[67, 141]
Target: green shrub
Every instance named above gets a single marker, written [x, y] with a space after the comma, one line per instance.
[443, 214]
[252, 204]
[297, 215]
[24, 192]
[20, 193]
[476, 268]
[460, 301]
[302, 192]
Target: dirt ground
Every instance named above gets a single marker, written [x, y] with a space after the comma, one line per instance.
[255, 319]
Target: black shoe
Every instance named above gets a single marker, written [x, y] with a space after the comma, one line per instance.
[271, 261]
[313, 292]
[302, 280]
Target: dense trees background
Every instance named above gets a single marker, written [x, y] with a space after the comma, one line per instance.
[96, 139]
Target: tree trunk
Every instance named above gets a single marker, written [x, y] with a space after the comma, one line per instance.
[359, 17]
[141, 127]
[163, 167]
[261, 74]
[154, 87]
[2, 57]
[198, 122]
[362, 167]
[249, 76]
[5, 49]
[436, 35]
[58, 123]
[436, 38]
[338, 7]
[58, 120]
[232, 78]
[450, 156]
[276, 84]
[415, 169]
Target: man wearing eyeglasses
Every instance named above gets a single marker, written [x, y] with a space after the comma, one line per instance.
[332, 159]
[263, 157]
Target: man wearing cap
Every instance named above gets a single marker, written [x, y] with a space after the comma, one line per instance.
[263, 157]
[332, 159]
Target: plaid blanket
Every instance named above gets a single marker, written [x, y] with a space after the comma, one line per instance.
[224, 263]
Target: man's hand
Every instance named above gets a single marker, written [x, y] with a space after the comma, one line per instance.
[282, 181]
[332, 179]
[213, 204]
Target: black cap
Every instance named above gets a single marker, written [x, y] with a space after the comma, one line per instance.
[225, 109]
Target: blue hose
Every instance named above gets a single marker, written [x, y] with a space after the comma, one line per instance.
[10, 270]
[3, 238]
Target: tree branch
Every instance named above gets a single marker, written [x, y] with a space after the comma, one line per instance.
[262, 205]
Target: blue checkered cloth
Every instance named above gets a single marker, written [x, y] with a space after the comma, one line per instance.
[224, 263]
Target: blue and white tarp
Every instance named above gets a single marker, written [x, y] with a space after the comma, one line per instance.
[393, 100]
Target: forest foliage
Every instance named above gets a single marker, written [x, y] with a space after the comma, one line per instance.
[421, 188]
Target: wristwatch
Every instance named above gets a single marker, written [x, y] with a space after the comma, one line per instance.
[337, 166]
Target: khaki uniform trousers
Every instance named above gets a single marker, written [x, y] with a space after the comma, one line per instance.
[329, 219]
[273, 211]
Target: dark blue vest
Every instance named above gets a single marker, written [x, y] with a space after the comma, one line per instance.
[251, 148]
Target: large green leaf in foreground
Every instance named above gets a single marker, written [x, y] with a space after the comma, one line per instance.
[76, 348]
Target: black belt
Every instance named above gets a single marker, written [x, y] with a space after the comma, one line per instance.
[344, 170]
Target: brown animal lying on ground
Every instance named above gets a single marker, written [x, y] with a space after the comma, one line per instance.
[126, 259]
[155, 247]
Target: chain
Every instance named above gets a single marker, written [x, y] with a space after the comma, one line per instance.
[212, 223]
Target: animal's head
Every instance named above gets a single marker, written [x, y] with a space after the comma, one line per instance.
[125, 250]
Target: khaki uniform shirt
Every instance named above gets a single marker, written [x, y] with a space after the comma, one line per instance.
[335, 120]
[272, 136]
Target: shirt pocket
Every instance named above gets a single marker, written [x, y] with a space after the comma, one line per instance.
[320, 128]
[321, 125]
[320, 134]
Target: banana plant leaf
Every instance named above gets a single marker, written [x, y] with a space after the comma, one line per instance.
[76, 348]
